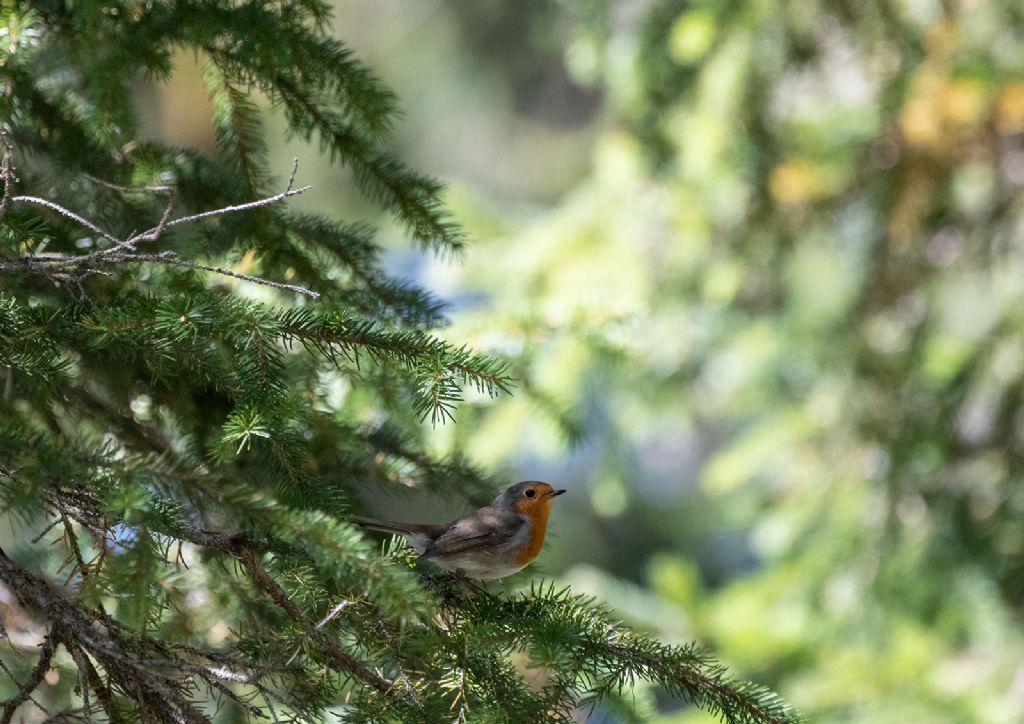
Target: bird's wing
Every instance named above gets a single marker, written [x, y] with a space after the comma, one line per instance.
[484, 529]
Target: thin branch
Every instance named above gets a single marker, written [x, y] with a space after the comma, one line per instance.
[66, 212]
[334, 612]
[12, 677]
[128, 245]
[270, 706]
[215, 675]
[170, 258]
[6, 172]
[290, 190]
[53, 524]
[130, 189]
[72, 542]
[157, 230]
[73, 269]
[34, 679]
[213, 683]
[82, 666]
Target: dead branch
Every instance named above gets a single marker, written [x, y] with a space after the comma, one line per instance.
[68, 715]
[53, 206]
[34, 679]
[6, 172]
[73, 269]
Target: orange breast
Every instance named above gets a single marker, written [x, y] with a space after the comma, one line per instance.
[538, 513]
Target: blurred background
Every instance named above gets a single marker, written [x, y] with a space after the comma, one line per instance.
[760, 268]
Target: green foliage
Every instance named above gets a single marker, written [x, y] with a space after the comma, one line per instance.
[802, 378]
[189, 412]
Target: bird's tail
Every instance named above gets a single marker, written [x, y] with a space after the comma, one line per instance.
[384, 526]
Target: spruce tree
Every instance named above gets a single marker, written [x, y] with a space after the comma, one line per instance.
[176, 461]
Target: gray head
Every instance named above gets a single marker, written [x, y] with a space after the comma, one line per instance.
[523, 497]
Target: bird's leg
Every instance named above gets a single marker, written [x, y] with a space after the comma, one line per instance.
[461, 577]
[443, 583]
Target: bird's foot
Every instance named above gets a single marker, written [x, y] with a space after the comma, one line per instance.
[468, 582]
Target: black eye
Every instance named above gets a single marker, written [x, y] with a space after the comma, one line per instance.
[530, 492]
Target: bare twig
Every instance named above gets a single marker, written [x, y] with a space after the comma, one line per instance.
[53, 524]
[170, 258]
[72, 543]
[72, 269]
[103, 695]
[82, 665]
[334, 612]
[130, 189]
[6, 172]
[34, 679]
[215, 676]
[157, 230]
[289, 190]
[212, 681]
[11, 675]
[52, 206]
[270, 707]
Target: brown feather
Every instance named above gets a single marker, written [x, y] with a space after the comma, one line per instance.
[384, 526]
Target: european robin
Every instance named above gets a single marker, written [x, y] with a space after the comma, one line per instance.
[493, 542]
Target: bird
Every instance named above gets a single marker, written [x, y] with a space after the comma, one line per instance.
[493, 542]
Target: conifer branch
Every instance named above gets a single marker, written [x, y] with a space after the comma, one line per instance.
[597, 655]
[413, 198]
[238, 127]
[338, 658]
[142, 420]
[154, 691]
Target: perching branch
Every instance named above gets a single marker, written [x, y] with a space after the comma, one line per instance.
[597, 655]
[60, 267]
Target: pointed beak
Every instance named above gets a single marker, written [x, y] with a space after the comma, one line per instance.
[553, 493]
